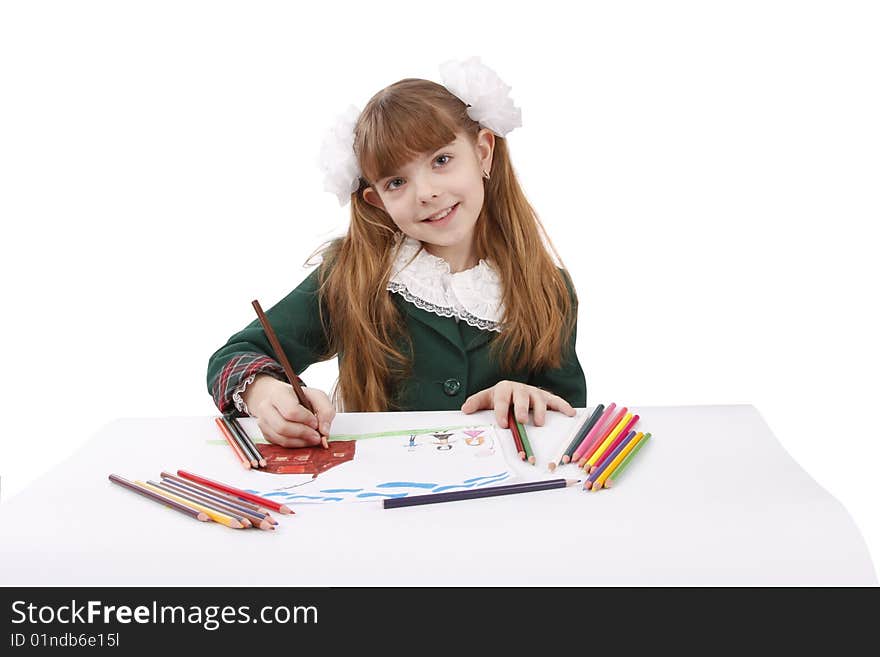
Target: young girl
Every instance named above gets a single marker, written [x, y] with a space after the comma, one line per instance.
[442, 294]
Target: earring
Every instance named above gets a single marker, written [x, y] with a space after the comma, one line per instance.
[485, 174]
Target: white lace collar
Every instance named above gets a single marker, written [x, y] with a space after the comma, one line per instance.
[423, 279]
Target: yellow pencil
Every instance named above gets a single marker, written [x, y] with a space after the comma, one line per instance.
[222, 518]
[617, 459]
[597, 455]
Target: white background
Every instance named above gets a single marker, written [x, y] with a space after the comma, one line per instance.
[708, 172]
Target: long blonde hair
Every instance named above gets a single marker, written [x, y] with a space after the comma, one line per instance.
[361, 322]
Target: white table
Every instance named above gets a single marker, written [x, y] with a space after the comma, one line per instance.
[712, 499]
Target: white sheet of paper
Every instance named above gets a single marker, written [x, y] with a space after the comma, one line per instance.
[389, 466]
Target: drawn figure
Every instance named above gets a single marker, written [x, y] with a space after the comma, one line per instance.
[474, 437]
[442, 441]
[411, 447]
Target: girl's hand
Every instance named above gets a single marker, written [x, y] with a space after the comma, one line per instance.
[282, 419]
[522, 396]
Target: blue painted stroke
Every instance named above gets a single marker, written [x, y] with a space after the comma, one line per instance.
[498, 477]
[404, 484]
[316, 497]
[381, 495]
[467, 481]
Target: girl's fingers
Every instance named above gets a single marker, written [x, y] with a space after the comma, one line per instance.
[292, 411]
[521, 402]
[500, 397]
[539, 408]
[325, 415]
[289, 442]
[477, 401]
[501, 400]
[559, 404]
[284, 431]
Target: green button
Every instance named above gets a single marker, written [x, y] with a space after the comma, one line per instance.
[451, 387]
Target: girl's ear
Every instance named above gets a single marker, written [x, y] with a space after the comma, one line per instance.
[485, 148]
[372, 197]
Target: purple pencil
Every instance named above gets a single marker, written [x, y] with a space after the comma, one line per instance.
[620, 438]
[597, 428]
[606, 461]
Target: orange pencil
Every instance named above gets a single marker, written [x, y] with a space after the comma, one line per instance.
[239, 454]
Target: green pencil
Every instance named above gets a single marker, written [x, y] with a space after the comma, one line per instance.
[609, 482]
[530, 455]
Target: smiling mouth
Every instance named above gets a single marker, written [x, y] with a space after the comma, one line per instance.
[442, 214]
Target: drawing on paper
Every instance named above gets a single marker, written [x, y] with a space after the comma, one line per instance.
[386, 466]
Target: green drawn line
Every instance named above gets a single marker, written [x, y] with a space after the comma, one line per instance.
[363, 436]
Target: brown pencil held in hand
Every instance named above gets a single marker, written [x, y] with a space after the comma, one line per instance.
[288, 370]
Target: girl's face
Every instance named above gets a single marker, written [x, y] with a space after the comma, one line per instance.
[450, 177]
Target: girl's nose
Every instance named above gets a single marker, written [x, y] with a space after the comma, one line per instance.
[425, 191]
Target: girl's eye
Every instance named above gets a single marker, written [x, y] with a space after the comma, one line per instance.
[391, 186]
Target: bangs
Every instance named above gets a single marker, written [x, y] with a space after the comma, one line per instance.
[397, 132]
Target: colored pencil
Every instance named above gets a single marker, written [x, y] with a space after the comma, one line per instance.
[244, 440]
[491, 491]
[161, 499]
[233, 443]
[208, 504]
[285, 364]
[615, 475]
[252, 458]
[597, 429]
[623, 435]
[612, 455]
[216, 516]
[579, 435]
[255, 519]
[517, 440]
[600, 451]
[588, 447]
[599, 439]
[220, 494]
[250, 497]
[573, 430]
[251, 445]
[599, 481]
[527, 446]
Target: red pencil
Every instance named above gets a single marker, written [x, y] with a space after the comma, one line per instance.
[271, 504]
[511, 424]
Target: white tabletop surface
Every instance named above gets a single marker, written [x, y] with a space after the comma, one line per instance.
[712, 499]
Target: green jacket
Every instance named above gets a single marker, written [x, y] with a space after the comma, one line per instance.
[451, 359]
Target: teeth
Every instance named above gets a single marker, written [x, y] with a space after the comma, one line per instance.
[441, 215]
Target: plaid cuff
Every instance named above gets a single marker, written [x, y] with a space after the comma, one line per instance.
[237, 374]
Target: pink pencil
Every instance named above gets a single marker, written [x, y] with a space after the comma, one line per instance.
[597, 428]
[600, 438]
[623, 433]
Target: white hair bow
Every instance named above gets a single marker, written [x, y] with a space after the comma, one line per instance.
[474, 83]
